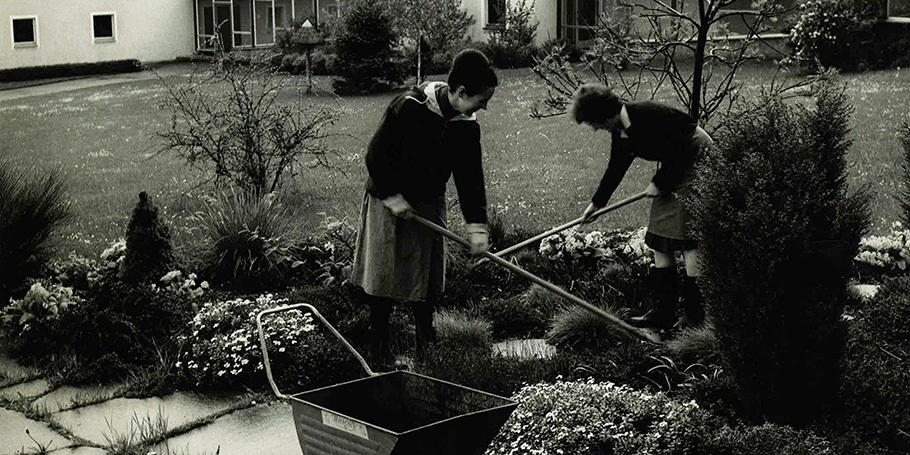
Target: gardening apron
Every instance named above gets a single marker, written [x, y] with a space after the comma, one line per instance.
[398, 258]
[668, 224]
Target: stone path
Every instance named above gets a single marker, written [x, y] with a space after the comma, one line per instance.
[36, 418]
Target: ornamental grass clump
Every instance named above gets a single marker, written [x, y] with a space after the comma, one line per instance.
[778, 229]
[461, 327]
[588, 417]
[33, 205]
[579, 329]
[249, 239]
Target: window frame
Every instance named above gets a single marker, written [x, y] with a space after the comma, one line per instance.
[486, 14]
[24, 44]
[105, 39]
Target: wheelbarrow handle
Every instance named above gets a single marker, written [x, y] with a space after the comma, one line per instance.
[625, 327]
[265, 351]
[563, 227]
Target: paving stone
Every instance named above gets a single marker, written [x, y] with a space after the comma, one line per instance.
[26, 389]
[525, 349]
[14, 440]
[121, 416]
[79, 451]
[64, 397]
[263, 429]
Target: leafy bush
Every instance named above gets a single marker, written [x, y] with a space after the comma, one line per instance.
[882, 255]
[38, 306]
[877, 378]
[250, 239]
[775, 272]
[511, 43]
[223, 349]
[75, 271]
[33, 205]
[525, 315]
[364, 49]
[579, 329]
[619, 245]
[148, 244]
[586, 417]
[835, 32]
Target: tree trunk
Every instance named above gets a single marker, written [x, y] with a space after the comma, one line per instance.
[699, 61]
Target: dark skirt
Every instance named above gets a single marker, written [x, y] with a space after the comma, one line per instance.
[668, 225]
[398, 258]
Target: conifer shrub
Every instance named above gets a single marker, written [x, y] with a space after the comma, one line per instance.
[778, 230]
[364, 49]
[148, 244]
[33, 205]
[877, 378]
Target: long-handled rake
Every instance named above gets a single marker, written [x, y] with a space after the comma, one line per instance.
[563, 227]
[619, 323]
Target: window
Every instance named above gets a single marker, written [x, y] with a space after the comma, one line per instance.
[496, 11]
[104, 28]
[899, 10]
[25, 31]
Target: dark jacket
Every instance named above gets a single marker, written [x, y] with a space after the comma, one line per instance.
[419, 144]
[658, 133]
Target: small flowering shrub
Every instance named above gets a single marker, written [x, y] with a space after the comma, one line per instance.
[831, 32]
[39, 305]
[619, 245]
[588, 417]
[76, 271]
[223, 348]
[175, 282]
[883, 254]
[113, 256]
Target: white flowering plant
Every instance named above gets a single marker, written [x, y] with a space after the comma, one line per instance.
[114, 255]
[885, 253]
[223, 346]
[823, 25]
[588, 417]
[176, 282]
[39, 305]
[619, 246]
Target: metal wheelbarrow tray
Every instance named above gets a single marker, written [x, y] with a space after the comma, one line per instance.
[400, 413]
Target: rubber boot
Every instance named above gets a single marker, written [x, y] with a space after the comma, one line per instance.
[425, 331]
[693, 304]
[380, 347]
[666, 292]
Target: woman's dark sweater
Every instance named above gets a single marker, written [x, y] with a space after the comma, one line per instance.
[421, 142]
[658, 133]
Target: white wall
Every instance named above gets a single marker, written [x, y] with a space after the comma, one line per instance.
[147, 30]
[544, 12]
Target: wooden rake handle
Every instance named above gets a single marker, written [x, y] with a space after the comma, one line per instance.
[557, 229]
[619, 323]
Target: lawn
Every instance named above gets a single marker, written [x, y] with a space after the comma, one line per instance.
[540, 173]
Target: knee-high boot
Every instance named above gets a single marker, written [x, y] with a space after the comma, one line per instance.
[665, 286]
[380, 313]
[693, 303]
[425, 332]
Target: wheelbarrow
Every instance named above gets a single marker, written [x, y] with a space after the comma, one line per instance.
[395, 413]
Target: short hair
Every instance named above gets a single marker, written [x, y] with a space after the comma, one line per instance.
[594, 103]
[472, 70]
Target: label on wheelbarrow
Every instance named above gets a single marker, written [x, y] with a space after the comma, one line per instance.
[344, 424]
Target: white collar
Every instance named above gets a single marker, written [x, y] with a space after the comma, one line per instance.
[433, 102]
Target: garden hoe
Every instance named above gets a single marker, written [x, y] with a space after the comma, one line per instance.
[558, 229]
[619, 323]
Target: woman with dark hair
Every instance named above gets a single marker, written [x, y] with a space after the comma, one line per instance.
[428, 133]
[673, 138]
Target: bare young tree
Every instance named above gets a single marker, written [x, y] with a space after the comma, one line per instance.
[645, 45]
[244, 123]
